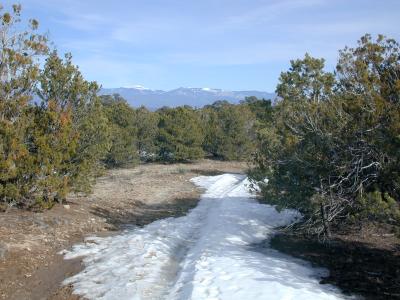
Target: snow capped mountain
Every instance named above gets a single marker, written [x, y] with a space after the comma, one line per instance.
[137, 87]
[197, 97]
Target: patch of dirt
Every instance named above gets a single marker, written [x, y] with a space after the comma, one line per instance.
[30, 266]
[363, 262]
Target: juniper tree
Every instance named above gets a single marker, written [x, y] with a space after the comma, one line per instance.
[121, 118]
[62, 83]
[19, 68]
[229, 130]
[369, 86]
[306, 80]
[180, 134]
[337, 160]
[147, 130]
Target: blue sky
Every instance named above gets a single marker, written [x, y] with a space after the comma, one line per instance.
[228, 44]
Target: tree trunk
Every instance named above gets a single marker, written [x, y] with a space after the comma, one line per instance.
[325, 222]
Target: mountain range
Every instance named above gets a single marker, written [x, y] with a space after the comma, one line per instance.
[196, 97]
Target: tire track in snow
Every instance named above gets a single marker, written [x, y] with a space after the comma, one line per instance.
[184, 279]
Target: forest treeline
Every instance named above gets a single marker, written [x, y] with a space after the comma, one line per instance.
[328, 146]
[221, 130]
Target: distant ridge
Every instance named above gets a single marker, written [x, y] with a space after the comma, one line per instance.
[197, 97]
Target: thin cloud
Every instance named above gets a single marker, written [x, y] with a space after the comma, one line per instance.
[206, 41]
[84, 22]
[269, 12]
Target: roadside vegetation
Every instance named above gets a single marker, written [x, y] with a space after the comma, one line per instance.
[331, 148]
[328, 146]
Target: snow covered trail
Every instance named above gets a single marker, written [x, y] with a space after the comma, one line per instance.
[208, 254]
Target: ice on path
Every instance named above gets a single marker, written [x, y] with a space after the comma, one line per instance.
[207, 254]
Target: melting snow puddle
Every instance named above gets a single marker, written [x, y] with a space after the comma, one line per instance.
[207, 254]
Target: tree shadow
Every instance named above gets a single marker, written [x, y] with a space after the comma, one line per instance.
[201, 172]
[355, 267]
[143, 213]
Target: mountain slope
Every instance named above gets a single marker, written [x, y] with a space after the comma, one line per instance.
[197, 97]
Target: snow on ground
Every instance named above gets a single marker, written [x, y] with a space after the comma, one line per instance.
[211, 253]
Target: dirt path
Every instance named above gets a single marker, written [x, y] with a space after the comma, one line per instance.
[213, 252]
[30, 267]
